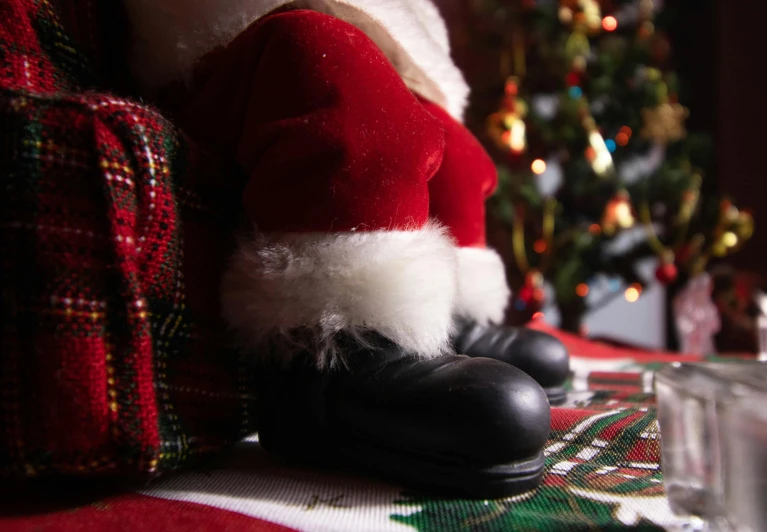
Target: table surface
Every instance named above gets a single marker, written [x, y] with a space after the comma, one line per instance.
[602, 459]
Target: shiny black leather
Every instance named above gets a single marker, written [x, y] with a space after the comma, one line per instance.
[453, 424]
[538, 354]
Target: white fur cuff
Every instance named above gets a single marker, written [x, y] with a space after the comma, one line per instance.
[304, 290]
[482, 290]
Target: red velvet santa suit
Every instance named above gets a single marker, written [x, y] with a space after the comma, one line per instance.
[364, 191]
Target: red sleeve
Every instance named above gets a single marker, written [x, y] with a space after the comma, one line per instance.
[466, 178]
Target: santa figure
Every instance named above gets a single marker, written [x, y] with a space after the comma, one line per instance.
[362, 267]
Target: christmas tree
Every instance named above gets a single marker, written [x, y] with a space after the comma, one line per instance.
[591, 145]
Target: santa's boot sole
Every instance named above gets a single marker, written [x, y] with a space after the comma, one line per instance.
[423, 473]
[454, 480]
[556, 394]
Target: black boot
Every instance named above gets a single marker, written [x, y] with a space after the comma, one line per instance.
[538, 354]
[453, 425]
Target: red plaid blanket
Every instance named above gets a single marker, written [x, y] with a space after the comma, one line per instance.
[109, 361]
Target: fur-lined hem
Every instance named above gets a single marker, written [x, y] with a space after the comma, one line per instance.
[483, 293]
[309, 291]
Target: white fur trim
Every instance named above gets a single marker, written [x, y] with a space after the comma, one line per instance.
[302, 290]
[429, 18]
[169, 36]
[482, 290]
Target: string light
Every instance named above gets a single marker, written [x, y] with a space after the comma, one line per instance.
[611, 146]
[575, 93]
[622, 139]
[517, 140]
[538, 166]
[565, 15]
[623, 215]
[603, 161]
[540, 246]
[582, 290]
[538, 316]
[623, 136]
[730, 239]
[633, 292]
[609, 23]
[595, 229]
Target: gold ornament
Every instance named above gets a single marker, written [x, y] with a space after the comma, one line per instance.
[584, 15]
[719, 249]
[735, 227]
[577, 45]
[744, 226]
[664, 123]
[507, 126]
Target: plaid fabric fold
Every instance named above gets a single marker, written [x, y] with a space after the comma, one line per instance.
[109, 363]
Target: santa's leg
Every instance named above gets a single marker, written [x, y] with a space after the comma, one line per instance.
[457, 194]
[344, 293]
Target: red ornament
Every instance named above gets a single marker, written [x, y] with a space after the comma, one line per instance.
[531, 293]
[527, 294]
[666, 272]
[573, 79]
[511, 88]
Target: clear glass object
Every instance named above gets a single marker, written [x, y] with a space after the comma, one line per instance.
[713, 423]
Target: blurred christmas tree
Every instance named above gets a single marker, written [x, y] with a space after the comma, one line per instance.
[592, 150]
